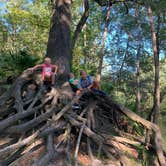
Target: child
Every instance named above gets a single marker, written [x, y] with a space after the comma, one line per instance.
[95, 85]
[85, 80]
[96, 88]
[74, 83]
[48, 71]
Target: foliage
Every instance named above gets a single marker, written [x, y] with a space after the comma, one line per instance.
[12, 65]
[24, 27]
[85, 54]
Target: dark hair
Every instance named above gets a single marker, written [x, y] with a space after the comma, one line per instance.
[82, 72]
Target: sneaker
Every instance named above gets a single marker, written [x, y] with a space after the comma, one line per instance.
[76, 107]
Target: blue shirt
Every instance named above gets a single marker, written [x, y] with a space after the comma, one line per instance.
[85, 82]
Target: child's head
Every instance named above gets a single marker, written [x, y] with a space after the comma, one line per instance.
[95, 81]
[83, 74]
[47, 60]
[71, 75]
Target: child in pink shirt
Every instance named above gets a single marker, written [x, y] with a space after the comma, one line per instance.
[48, 71]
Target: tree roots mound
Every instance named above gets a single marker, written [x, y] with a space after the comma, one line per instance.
[61, 128]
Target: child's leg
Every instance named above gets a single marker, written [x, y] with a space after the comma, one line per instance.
[47, 81]
[98, 92]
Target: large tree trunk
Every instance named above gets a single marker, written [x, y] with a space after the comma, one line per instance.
[156, 106]
[59, 42]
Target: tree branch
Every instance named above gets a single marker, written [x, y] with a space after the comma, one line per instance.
[81, 23]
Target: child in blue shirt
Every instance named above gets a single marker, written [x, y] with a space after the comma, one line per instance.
[85, 80]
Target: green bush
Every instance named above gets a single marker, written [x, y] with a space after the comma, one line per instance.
[16, 63]
[107, 87]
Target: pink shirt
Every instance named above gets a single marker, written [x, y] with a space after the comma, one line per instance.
[47, 69]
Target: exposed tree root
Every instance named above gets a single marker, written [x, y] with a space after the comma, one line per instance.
[30, 114]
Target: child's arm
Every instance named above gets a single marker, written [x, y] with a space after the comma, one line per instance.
[55, 69]
[76, 82]
[36, 67]
[90, 86]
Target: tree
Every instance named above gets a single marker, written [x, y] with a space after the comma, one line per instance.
[138, 70]
[59, 42]
[47, 115]
[156, 106]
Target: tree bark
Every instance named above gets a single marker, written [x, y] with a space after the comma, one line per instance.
[59, 43]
